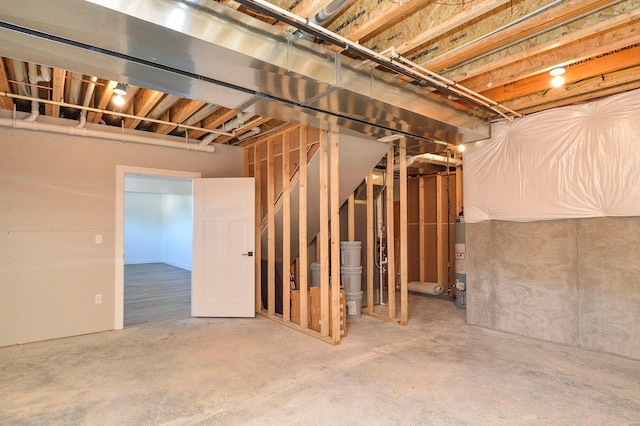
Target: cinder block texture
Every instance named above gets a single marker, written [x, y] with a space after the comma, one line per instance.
[575, 282]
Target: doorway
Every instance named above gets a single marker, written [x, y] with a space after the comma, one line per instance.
[158, 245]
[159, 277]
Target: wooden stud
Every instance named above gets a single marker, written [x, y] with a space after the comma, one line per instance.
[258, 244]
[271, 230]
[302, 230]
[334, 145]
[102, 99]
[286, 230]
[351, 216]
[57, 83]
[404, 262]
[391, 264]
[247, 162]
[421, 224]
[324, 234]
[5, 102]
[142, 105]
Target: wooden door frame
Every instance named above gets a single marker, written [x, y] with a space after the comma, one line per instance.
[121, 172]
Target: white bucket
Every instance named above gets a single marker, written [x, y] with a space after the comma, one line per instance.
[351, 278]
[315, 274]
[350, 253]
[353, 303]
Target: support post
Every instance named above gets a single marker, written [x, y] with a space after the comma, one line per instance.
[404, 263]
[391, 265]
[324, 234]
[271, 229]
[334, 145]
[257, 172]
[286, 230]
[302, 231]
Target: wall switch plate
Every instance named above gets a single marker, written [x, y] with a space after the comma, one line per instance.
[98, 299]
[98, 239]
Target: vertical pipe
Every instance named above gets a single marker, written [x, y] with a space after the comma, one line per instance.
[439, 232]
[391, 262]
[351, 216]
[404, 264]
[370, 242]
[286, 230]
[421, 231]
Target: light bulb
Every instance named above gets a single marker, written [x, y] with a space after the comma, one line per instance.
[118, 100]
[557, 81]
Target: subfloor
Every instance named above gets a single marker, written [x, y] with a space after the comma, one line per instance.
[435, 371]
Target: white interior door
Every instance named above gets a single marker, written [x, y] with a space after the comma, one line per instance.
[223, 283]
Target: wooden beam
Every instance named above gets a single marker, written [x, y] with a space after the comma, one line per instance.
[421, 231]
[457, 20]
[370, 242]
[391, 264]
[247, 163]
[383, 16]
[215, 120]
[351, 217]
[404, 245]
[598, 39]
[101, 100]
[143, 103]
[334, 146]
[271, 229]
[57, 90]
[596, 87]
[5, 103]
[302, 229]
[547, 19]
[258, 242]
[179, 112]
[286, 230]
[324, 232]
[621, 59]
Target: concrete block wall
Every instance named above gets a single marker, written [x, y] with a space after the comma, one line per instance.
[575, 282]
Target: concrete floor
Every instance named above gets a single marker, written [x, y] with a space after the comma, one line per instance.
[435, 371]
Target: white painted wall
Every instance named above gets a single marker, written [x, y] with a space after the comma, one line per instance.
[177, 230]
[143, 225]
[57, 193]
[158, 221]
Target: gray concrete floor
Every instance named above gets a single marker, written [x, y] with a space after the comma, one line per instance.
[435, 371]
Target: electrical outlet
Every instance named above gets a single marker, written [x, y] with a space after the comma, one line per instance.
[98, 299]
[98, 239]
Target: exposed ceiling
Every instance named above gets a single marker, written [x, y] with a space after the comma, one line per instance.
[502, 50]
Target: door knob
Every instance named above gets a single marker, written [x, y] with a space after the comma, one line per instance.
[248, 254]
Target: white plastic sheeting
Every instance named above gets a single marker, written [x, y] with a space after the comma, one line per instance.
[571, 162]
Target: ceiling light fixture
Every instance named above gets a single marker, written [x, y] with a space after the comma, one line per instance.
[120, 89]
[400, 2]
[558, 79]
[118, 100]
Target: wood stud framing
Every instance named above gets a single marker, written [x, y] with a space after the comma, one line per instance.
[324, 233]
[257, 159]
[391, 265]
[271, 230]
[404, 264]
[335, 235]
[302, 230]
[286, 225]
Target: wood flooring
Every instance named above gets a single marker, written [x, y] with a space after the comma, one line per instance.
[156, 292]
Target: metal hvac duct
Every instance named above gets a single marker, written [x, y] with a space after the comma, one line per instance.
[203, 50]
